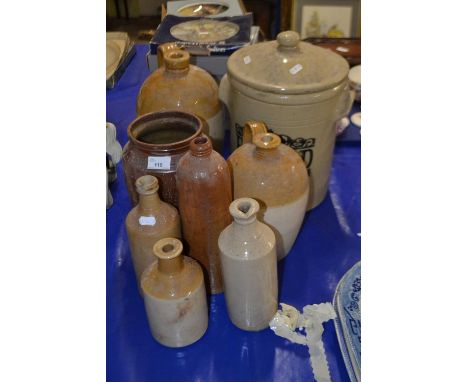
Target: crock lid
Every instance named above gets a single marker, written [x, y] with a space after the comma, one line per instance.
[287, 66]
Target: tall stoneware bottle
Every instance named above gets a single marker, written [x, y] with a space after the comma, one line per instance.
[205, 192]
[175, 296]
[177, 85]
[151, 220]
[248, 258]
[274, 175]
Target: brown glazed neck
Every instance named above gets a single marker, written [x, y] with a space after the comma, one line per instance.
[266, 145]
[149, 203]
[177, 62]
[176, 72]
[164, 49]
[168, 251]
[154, 121]
[147, 187]
[201, 147]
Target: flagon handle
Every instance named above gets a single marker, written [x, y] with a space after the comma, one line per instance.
[251, 129]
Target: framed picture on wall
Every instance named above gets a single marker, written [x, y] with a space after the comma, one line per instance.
[326, 18]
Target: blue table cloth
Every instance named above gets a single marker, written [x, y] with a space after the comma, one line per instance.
[327, 246]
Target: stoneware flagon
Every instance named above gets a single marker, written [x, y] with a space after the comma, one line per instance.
[156, 143]
[177, 85]
[274, 175]
[151, 220]
[175, 296]
[248, 258]
[299, 90]
[205, 193]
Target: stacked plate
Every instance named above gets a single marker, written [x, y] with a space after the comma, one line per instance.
[347, 304]
[119, 52]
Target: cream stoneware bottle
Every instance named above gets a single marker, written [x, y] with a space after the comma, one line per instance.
[248, 259]
[151, 220]
[175, 296]
[275, 175]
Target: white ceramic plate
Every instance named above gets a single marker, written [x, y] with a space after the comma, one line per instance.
[112, 54]
[202, 9]
[116, 46]
[204, 31]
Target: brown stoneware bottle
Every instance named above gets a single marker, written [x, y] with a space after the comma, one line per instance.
[275, 175]
[177, 85]
[205, 192]
[151, 220]
[156, 143]
[175, 296]
[248, 258]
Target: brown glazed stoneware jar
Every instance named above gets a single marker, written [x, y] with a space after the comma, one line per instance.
[274, 175]
[175, 296]
[156, 143]
[248, 258]
[205, 193]
[151, 220]
[180, 86]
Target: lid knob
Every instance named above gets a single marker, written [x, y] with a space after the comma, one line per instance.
[288, 39]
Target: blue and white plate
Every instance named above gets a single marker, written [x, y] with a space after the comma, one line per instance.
[347, 303]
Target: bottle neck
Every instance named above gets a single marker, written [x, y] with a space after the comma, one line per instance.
[240, 226]
[149, 203]
[262, 153]
[171, 266]
[201, 147]
[176, 72]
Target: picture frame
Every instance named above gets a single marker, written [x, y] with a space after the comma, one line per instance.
[326, 18]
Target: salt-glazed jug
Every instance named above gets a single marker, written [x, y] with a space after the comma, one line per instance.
[248, 258]
[175, 296]
[274, 175]
[205, 193]
[156, 142]
[151, 220]
[299, 90]
[177, 85]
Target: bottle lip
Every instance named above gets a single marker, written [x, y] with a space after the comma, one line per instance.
[167, 248]
[266, 141]
[244, 210]
[147, 185]
[138, 126]
[201, 146]
[177, 60]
